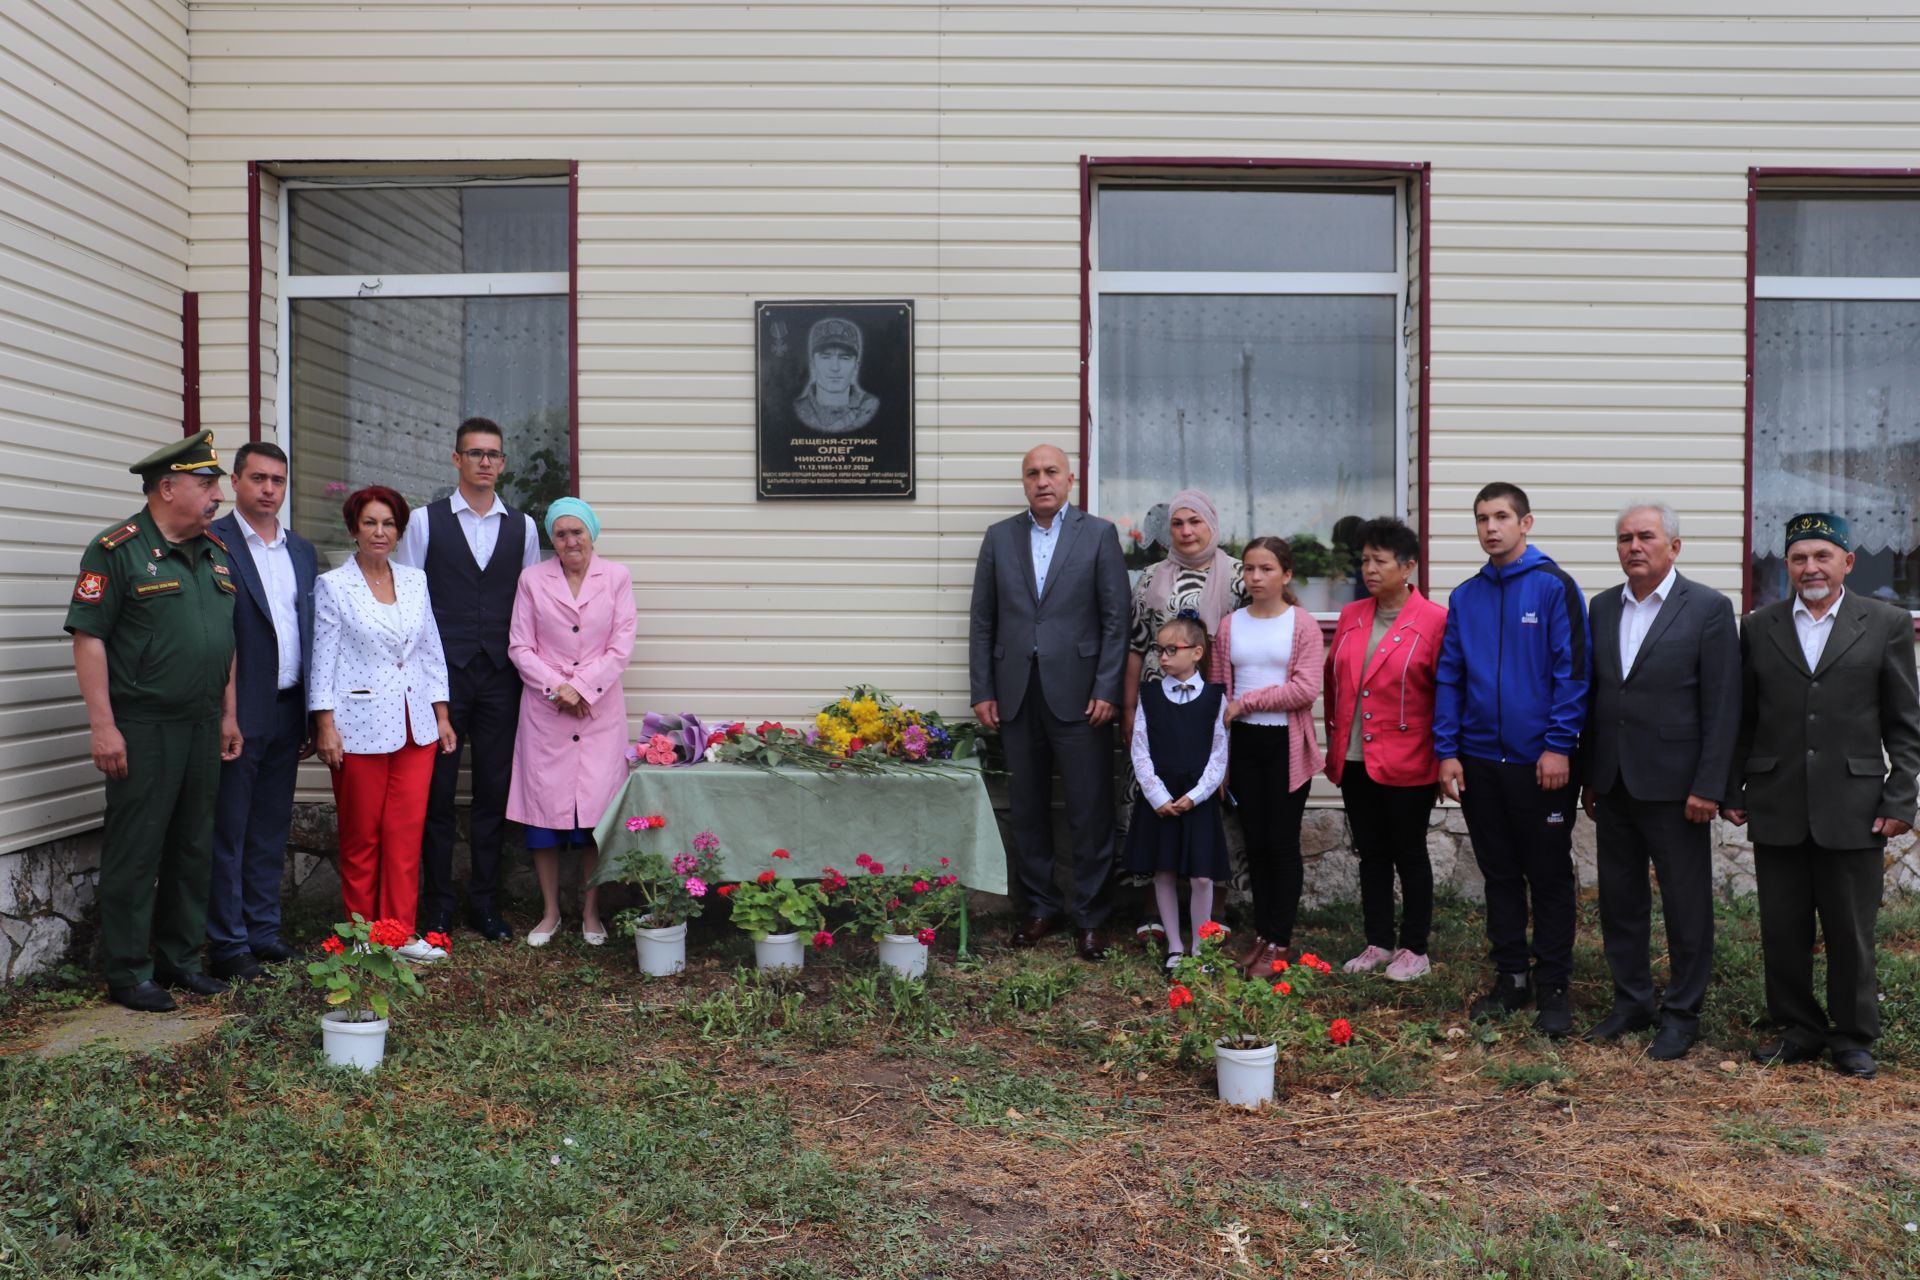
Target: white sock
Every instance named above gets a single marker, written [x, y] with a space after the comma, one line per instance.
[1166, 891]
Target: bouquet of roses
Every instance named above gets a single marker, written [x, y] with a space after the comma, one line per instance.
[919, 902]
[1215, 1005]
[668, 740]
[674, 886]
[773, 903]
[360, 969]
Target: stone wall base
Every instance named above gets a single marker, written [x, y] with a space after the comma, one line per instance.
[47, 894]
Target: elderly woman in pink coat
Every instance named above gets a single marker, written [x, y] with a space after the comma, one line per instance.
[571, 636]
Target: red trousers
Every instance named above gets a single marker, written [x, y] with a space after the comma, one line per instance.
[382, 807]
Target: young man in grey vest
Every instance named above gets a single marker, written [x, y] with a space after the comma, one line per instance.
[473, 547]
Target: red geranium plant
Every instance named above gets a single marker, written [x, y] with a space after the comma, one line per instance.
[918, 901]
[360, 969]
[775, 903]
[1216, 1006]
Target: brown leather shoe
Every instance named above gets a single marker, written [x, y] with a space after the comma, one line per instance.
[1259, 961]
[1251, 956]
[1033, 929]
[1093, 944]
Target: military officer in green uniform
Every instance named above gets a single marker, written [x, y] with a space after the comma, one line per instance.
[152, 624]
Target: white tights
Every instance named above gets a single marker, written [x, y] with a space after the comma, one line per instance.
[1166, 891]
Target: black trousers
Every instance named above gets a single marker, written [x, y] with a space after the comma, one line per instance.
[1389, 826]
[1840, 888]
[1523, 840]
[1037, 742]
[252, 815]
[1633, 834]
[1270, 811]
[484, 708]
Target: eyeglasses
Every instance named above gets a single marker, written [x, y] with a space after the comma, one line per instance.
[1168, 650]
[483, 455]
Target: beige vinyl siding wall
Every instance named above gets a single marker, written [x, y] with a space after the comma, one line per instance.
[1588, 233]
[93, 250]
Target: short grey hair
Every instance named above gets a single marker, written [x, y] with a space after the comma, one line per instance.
[1669, 519]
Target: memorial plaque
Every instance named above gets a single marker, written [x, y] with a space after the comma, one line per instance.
[835, 410]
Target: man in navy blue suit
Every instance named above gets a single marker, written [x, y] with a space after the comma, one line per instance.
[273, 640]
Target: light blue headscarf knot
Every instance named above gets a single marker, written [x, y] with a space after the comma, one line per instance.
[576, 508]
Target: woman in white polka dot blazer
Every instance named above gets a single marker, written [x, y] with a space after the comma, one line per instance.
[378, 694]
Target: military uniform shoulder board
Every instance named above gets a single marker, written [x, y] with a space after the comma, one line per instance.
[214, 538]
[115, 537]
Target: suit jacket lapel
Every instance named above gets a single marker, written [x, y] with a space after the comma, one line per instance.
[1847, 628]
[1669, 610]
[1603, 617]
[1786, 638]
[1069, 523]
[240, 560]
[1020, 533]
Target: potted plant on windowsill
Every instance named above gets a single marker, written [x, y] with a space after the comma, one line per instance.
[1244, 1023]
[903, 910]
[673, 888]
[363, 974]
[781, 915]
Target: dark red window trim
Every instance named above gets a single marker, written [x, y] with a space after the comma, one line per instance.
[1756, 176]
[254, 283]
[1423, 168]
[189, 363]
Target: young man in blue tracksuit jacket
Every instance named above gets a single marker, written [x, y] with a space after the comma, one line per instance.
[1510, 705]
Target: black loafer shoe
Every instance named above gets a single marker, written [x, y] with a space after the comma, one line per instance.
[1619, 1023]
[1857, 1063]
[490, 927]
[199, 983]
[240, 968]
[145, 997]
[1783, 1052]
[1509, 993]
[1672, 1041]
[272, 953]
[1555, 1018]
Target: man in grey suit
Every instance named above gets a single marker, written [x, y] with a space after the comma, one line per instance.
[1824, 767]
[1660, 728]
[1047, 647]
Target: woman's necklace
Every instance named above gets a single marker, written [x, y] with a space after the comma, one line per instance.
[371, 580]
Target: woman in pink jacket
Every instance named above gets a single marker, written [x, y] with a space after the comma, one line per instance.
[1380, 682]
[571, 636]
[1269, 657]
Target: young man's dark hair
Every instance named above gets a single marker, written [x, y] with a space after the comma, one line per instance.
[1513, 493]
[477, 427]
[257, 449]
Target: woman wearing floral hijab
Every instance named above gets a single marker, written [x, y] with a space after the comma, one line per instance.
[1196, 575]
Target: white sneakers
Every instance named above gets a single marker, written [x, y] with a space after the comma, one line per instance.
[420, 951]
[1402, 964]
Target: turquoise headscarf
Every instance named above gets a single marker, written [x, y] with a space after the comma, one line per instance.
[576, 508]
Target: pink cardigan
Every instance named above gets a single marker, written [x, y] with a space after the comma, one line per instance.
[1295, 697]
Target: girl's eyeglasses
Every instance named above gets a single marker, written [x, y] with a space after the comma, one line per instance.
[1168, 650]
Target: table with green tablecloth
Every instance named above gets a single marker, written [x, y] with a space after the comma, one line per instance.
[899, 817]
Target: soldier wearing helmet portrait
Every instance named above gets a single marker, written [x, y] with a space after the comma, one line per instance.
[834, 403]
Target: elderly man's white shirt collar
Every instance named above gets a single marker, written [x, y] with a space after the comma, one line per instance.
[1659, 593]
[1800, 609]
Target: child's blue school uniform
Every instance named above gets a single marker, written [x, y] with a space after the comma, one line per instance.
[1179, 748]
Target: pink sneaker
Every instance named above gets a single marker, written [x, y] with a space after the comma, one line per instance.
[1406, 966]
[1367, 961]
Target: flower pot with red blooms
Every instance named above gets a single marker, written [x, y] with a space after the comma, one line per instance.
[1244, 1023]
[362, 974]
[674, 888]
[902, 910]
[779, 913]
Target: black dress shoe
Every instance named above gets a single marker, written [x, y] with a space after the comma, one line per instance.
[1619, 1023]
[199, 983]
[1672, 1041]
[1032, 930]
[1510, 992]
[1783, 1052]
[240, 968]
[272, 953]
[1092, 944]
[144, 997]
[490, 927]
[1857, 1063]
[1555, 1018]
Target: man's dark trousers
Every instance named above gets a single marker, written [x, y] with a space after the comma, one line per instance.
[1036, 741]
[1633, 834]
[1843, 886]
[253, 814]
[1523, 840]
[484, 708]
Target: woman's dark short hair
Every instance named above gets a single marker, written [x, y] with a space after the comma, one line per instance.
[1384, 533]
[357, 502]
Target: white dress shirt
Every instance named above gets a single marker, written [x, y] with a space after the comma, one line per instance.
[1814, 632]
[1636, 618]
[274, 563]
[1041, 541]
[483, 534]
[1179, 691]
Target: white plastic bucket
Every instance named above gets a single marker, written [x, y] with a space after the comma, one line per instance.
[903, 953]
[348, 1042]
[1245, 1075]
[780, 951]
[663, 952]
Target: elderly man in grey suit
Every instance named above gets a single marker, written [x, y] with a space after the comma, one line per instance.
[1047, 647]
[1824, 768]
[1664, 710]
